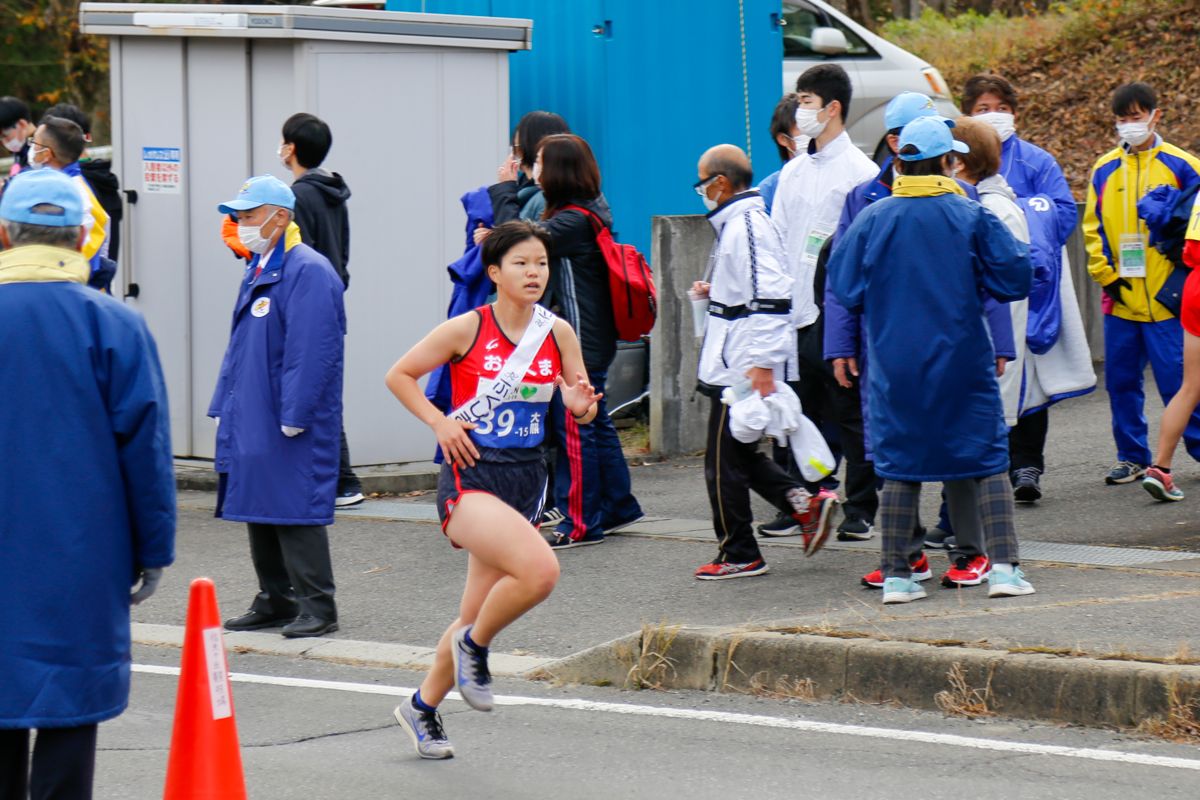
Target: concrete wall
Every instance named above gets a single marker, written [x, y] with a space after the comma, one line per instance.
[679, 253]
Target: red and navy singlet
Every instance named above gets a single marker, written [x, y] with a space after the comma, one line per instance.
[520, 421]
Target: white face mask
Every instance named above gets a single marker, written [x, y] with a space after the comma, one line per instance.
[1003, 122]
[252, 239]
[279, 155]
[34, 152]
[1134, 134]
[709, 203]
[14, 144]
[537, 173]
[808, 124]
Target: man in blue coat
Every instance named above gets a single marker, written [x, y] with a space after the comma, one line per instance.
[278, 406]
[933, 397]
[84, 405]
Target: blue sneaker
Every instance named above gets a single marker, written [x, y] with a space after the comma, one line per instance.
[1012, 584]
[901, 590]
[471, 674]
[425, 730]
[1124, 472]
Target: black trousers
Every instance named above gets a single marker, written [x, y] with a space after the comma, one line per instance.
[347, 480]
[1027, 441]
[731, 470]
[295, 572]
[64, 764]
[837, 411]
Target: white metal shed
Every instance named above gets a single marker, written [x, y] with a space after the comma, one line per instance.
[418, 104]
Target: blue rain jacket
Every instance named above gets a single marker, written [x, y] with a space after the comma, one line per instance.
[1031, 171]
[471, 288]
[87, 489]
[1045, 253]
[933, 398]
[283, 366]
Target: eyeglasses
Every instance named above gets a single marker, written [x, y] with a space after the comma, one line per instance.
[701, 185]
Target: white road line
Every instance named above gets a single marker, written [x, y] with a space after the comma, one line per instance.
[727, 717]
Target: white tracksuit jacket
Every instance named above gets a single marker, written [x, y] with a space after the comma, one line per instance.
[749, 313]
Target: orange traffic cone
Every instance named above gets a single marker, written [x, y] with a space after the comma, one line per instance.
[205, 761]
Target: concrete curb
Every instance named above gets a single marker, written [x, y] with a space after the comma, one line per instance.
[338, 651]
[199, 476]
[1076, 690]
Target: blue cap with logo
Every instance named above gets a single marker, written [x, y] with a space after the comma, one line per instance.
[931, 137]
[261, 190]
[42, 197]
[905, 107]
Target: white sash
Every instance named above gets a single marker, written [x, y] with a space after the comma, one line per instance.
[509, 378]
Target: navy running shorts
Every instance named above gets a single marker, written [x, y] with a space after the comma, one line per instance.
[520, 484]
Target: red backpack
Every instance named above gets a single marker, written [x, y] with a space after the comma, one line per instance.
[634, 298]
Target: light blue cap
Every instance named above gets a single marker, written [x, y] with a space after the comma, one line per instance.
[42, 187]
[932, 138]
[261, 190]
[905, 107]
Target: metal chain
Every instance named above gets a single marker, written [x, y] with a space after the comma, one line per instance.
[745, 77]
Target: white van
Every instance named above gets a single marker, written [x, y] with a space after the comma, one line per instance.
[815, 32]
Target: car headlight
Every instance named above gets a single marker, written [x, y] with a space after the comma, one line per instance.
[936, 82]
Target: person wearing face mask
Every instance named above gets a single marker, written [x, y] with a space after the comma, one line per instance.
[324, 223]
[747, 337]
[807, 206]
[16, 129]
[1064, 366]
[1137, 327]
[934, 400]
[787, 140]
[278, 407]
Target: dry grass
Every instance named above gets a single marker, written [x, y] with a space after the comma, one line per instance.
[1182, 721]
[652, 665]
[785, 687]
[962, 699]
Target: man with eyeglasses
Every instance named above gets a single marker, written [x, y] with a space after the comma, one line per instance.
[747, 340]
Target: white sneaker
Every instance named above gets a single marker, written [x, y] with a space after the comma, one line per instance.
[347, 499]
[902, 590]
[425, 730]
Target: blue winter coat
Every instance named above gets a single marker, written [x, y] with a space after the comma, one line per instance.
[283, 366]
[470, 290]
[933, 398]
[1031, 171]
[87, 489]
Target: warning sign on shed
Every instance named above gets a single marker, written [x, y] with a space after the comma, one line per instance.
[162, 170]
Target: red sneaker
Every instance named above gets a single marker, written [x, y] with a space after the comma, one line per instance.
[817, 520]
[920, 572]
[720, 571]
[967, 572]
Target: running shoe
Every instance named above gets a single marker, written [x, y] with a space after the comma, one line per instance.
[563, 541]
[967, 572]
[938, 539]
[782, 525]
[816, 521]
[1012, 584]
[1027, 487]
[471, 674]
[1124, 472]
[425, 729]
[855, 529]
[1161, 485]
[720, 571]
[551, 518]
[902, 590]
[349, 498]
[920, 572]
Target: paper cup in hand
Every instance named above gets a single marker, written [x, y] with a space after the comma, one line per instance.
[699, 312]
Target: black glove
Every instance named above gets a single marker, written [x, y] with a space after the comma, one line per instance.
[150, 580]
[1113, 290]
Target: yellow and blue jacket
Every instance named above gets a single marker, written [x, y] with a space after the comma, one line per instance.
[1119, 179]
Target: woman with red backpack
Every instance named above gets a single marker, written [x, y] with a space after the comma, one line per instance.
[592, 483]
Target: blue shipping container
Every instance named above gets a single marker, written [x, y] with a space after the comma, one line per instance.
[651, 84]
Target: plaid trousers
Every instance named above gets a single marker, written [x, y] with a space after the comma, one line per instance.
[898, 510]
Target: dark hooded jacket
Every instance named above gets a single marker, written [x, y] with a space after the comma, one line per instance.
[323, 218]
[578, 290]
[103, 183]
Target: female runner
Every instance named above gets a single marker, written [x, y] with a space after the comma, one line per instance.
[492, 487]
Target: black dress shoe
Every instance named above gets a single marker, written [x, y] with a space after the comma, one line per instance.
[255, 621]
[307, 625]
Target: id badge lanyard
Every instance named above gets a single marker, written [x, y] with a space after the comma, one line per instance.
[1131, 247]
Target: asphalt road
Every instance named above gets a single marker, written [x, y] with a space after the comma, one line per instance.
[330, 743]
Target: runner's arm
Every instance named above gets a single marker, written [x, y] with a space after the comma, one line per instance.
[572, 365]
